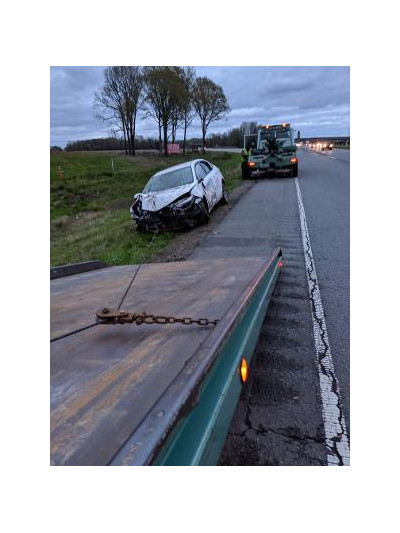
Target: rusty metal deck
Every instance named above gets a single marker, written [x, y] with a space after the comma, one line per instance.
[105, 379]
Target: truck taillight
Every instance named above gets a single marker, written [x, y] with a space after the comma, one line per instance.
[251, 164]
[294, 160]
[244, 370]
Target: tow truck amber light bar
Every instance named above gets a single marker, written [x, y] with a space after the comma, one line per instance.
[276, 126]
[294, 160]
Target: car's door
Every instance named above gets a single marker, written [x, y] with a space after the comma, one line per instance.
[212, 183]
[202, 177]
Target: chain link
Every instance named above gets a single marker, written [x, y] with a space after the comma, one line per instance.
[143, 318]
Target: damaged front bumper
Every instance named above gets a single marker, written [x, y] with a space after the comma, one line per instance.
[185, 213]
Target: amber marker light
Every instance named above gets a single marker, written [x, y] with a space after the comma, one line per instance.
[251, 164]
[293, 160]
[244, 370]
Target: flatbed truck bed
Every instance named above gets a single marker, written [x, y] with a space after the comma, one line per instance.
[161, 394]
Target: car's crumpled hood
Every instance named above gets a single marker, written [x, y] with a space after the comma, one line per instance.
[157, 200]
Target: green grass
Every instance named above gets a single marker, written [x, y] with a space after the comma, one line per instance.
[342, 147]
[89, 205]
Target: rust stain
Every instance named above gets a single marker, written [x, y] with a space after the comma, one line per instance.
[79, 399]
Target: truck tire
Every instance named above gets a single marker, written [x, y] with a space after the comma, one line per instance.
[295, 170]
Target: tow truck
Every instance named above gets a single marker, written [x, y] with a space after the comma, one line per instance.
[275, 152]
[148, 361]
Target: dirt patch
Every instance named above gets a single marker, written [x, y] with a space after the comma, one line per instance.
[120, 203]
[187, 240]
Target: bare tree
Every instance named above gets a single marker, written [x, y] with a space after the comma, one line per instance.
[209, 102]
[132, 87]
[183, 112]
[188, 111]
[118, 101]
[164, 88]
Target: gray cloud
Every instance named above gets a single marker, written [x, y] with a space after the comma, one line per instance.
[316, 100]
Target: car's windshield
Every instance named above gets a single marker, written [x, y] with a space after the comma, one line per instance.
[170, 180]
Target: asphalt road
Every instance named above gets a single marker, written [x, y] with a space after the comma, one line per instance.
[278, 420]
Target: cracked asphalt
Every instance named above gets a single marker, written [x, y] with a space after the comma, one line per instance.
[278, 420]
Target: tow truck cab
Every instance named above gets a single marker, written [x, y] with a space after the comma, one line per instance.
[275, 152]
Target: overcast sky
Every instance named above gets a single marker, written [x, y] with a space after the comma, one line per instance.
[315, 100]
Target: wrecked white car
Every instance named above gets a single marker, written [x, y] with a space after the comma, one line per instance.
[179, 197]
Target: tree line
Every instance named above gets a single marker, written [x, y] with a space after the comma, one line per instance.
[110, 143]
[235, 136]
[172, 96]
[232, 138]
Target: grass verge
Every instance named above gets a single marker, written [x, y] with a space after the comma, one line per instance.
[89, 205]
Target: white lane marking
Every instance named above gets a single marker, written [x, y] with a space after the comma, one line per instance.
[331, 157]
[336, 439]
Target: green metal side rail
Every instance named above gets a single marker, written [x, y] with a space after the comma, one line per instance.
[199, 430]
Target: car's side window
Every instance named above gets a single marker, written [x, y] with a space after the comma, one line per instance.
[200, 172]
[207, 167]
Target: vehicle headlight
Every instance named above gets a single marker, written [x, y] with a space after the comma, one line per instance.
[136, 209]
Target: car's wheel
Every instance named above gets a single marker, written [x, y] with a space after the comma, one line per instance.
[204, 216]
[224, 199]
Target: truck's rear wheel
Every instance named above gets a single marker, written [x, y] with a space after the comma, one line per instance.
[295, 170]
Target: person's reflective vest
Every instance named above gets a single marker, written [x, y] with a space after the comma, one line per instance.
[244, 155]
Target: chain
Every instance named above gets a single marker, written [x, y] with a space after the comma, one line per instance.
[143, 318]
[114, 316]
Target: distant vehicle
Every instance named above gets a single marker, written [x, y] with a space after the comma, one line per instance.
[322, 145]
[181, 196]
[275, 152]
[326, 146]
[197, 149]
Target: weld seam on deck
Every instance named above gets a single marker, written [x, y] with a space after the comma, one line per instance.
[72, 332]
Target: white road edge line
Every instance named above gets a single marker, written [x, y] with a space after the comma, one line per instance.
[336, 439]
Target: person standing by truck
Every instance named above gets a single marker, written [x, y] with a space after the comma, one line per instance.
[244, 159]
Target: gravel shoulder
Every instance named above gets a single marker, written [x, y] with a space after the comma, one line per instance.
[187, 240]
